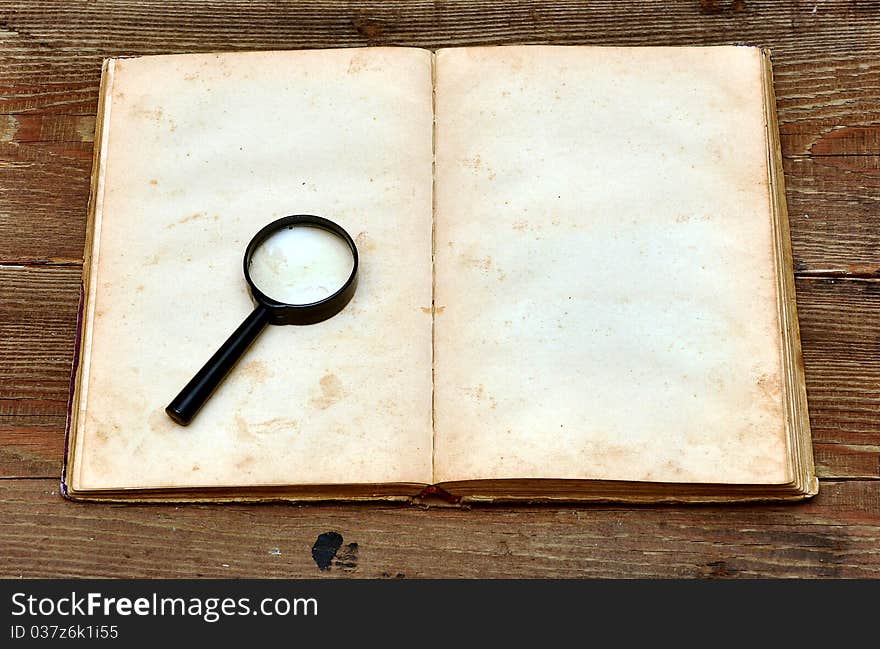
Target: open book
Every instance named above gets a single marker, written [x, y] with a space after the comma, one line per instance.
[575, 282]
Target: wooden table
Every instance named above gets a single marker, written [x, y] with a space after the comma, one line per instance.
[827, 65]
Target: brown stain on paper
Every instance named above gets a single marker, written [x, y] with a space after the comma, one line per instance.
[364, 242]
[485, 265]
[247, 430]
[275, 425]
[685, 218]
[241, 427]
[769, 386]
[482, 263]
[476, 165]
[156, 114]
[256, 371]
[195, 216]
[331, 392]
[479, 394]
[770, 389]
[672, 470]
[359, 63]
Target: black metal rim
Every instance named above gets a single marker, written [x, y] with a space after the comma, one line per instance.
[314, 311]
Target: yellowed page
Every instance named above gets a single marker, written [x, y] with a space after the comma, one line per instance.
[201, 152]
[605, 277]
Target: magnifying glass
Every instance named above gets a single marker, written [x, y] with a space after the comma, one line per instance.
[301, 269]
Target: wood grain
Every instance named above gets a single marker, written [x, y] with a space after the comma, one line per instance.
[835, 535]
[826, 66]
[37, 333]
[834, 214]
[44, 201]
[827, 79]
[825, 53]
[841, 340]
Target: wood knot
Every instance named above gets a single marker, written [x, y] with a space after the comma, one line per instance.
[369, 28]
[717, 7]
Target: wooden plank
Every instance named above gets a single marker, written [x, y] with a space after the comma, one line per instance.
[44, 201]
[35, 444]
[827, 72]
[838, 319]
[47, 127]
[835, 535]
[838, 325]
[823, 97]
[826, 54]
[833, 459]
[37, 333]
[833, 205]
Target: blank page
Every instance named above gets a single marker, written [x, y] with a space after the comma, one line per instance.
[606, 288]
[200, 152]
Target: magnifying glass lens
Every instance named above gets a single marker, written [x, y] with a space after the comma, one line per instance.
[301, 264]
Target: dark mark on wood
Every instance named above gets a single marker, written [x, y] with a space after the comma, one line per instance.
[325, 548]
[347, 558]
[388, 575]
[718, 570]
[328, 552]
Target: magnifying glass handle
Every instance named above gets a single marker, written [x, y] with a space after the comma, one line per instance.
[196, 393]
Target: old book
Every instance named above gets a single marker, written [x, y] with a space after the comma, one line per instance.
[576, 279]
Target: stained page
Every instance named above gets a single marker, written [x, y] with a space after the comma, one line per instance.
[606, 293]
[200, 152]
